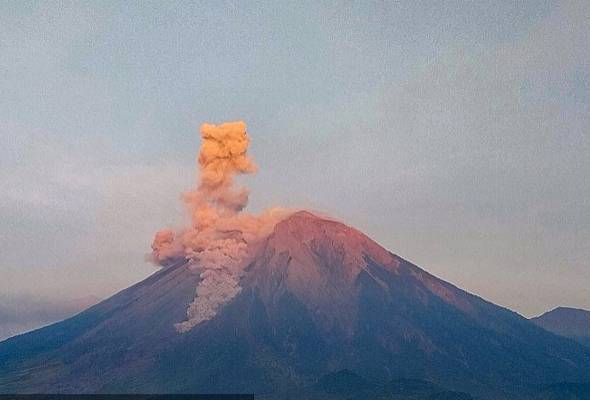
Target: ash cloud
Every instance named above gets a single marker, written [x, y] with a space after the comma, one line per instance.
[220, 238]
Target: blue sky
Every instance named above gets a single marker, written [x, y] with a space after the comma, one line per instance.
[456, 134]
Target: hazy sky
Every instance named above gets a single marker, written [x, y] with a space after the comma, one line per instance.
[456, 134]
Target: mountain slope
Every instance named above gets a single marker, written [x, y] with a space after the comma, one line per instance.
[318, 298]
[569, 322]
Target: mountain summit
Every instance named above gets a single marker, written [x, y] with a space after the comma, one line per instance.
[317, 298]
[573, 323]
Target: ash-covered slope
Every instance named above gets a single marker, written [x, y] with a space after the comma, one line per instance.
[319, 297]
[573, 323]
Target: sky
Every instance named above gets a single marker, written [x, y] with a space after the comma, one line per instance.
[456, 134]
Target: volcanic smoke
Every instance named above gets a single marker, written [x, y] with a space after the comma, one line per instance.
[219, 241]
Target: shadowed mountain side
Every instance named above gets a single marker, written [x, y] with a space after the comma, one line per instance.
[318, 298]
[564, 391]
[348, 385]
[75, 354]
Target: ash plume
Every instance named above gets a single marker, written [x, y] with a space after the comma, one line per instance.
[220, 238]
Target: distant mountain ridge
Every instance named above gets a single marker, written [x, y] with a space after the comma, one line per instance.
[573, 323]
[318, 298]
[20, 314]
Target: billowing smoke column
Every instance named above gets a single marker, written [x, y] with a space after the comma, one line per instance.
[218, 242]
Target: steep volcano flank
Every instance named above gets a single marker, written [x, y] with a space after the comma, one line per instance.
[318, 297]
[369, 310]
[330, 267]
[107, 342]
[318, 261]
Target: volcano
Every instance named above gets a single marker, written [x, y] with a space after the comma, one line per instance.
[321, 306]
